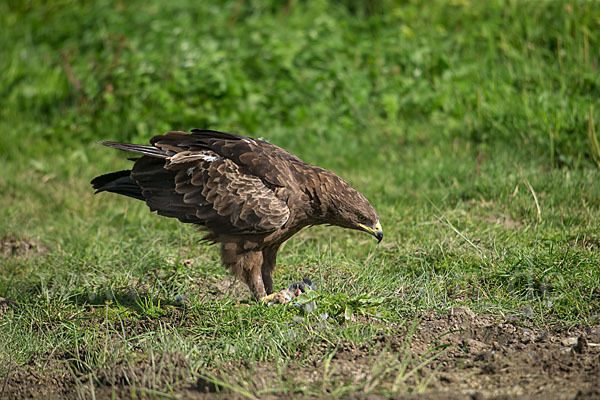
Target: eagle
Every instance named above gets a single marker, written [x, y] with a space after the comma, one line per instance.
[248, 195]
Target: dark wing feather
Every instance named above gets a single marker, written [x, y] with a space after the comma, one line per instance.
[138, 148]
[158, 190]
[254, 156]
[240, 203]
[221, 180]
[118, 182]
[207, 133]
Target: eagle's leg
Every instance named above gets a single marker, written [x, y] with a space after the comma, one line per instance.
[269, 260]
[268, 265]
[247, 266]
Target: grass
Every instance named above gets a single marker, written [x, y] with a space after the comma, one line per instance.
[471, 126]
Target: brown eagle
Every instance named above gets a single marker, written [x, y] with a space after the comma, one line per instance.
[248, 194]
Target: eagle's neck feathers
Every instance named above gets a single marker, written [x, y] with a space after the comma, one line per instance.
[326, 192]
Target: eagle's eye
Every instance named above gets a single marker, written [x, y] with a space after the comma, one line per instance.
[362, 219]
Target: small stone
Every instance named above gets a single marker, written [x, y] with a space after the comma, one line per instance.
[570, 341]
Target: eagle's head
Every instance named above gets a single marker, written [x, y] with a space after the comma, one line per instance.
[352, 210]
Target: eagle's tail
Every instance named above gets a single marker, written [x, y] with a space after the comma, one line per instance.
[138, 148]
[118, 182]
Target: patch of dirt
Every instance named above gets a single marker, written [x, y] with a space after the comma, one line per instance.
[5, 305]
[49, 379]
[586, 242]
[506, 222]
[159, 373]
[11, 246]
[500, 358]
[164, 370]
[229, 286]
[458, 355]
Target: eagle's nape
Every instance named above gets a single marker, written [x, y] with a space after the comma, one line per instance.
[248, 195]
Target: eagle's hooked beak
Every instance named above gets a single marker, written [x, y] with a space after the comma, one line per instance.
[376, 231]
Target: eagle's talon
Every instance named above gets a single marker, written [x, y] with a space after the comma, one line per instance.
[282, 297]
[268, 298]
[288, 294]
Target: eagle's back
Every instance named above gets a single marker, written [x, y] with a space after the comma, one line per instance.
[231, 184]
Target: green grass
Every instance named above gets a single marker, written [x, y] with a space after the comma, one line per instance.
[471, 127]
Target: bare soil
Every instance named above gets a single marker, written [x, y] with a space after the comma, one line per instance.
[491, 358]
[479, 357]
[11, 246]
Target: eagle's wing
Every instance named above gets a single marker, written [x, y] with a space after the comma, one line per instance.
[223, 181]
[254, 156]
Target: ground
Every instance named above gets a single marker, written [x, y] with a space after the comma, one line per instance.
[458, 355]
[472, 127]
